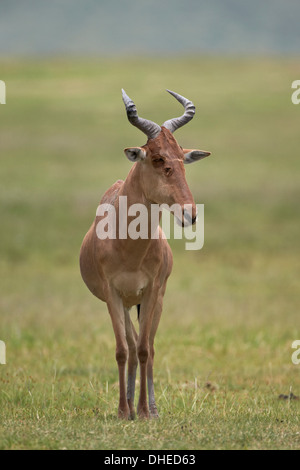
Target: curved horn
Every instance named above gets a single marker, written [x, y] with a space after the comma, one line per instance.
[151, 129]
[175, 123]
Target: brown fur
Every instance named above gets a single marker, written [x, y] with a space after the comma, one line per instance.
[125, 273]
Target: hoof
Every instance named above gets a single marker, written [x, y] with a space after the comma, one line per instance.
[153, 412]
[143, 413]
[124, 414]
[131, 410]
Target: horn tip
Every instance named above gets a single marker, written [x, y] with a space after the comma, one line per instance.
[126, 100]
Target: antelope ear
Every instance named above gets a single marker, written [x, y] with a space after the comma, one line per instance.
[134, 154]
[191, 156]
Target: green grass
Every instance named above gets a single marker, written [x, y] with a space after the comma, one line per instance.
[223, 348]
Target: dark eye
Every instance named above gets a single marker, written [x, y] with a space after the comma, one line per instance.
[158, 161]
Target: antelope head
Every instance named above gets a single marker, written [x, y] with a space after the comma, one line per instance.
[162, 159]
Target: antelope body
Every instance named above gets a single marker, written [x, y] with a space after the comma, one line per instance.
[126, 272]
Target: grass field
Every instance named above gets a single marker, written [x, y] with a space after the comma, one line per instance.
[223, 349]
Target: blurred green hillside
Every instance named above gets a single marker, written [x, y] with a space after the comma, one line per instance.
[100, 28]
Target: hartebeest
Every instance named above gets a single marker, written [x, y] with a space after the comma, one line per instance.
[125, 272]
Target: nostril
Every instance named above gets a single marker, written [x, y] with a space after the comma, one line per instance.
[188, 217]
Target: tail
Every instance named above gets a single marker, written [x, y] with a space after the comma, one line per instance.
[138, 310]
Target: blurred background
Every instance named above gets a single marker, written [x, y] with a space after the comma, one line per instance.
[98, 27]
[232, 306]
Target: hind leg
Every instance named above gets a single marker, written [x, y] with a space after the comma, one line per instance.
[131, 336]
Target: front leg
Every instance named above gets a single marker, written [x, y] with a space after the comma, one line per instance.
[154, 326]
[117, 314]
[143, 346]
